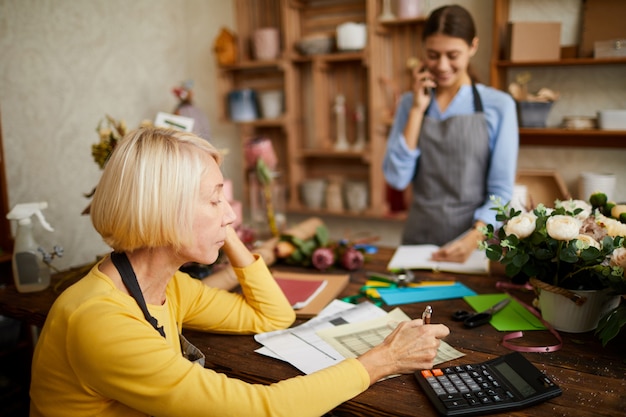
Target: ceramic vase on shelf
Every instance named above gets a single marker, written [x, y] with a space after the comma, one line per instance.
[261, 211]
[341, 143]
[312, 193]
[266, 43]
[409, 9]
[359, 115]
[565, 315]
[386, 13]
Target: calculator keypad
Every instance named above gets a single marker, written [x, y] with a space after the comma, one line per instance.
[466, 386]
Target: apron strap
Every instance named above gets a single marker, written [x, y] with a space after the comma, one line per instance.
[478, 103]
[121, 262]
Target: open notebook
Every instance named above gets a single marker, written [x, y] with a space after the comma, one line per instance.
[419, 257]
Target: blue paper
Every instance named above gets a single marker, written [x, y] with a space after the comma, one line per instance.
[396, 296]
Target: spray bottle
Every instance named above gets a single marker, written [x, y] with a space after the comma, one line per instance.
[30, 272]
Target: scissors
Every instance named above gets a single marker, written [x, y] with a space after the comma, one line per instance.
[472, 320]
[401, 278]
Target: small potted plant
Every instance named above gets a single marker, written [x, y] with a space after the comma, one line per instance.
[532, 109]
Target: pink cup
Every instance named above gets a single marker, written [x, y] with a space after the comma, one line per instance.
[408, 9]
[266, 43]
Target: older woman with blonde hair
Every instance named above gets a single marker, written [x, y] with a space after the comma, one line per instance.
[112, 344]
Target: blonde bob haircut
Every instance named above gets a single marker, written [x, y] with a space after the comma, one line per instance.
[149, 189]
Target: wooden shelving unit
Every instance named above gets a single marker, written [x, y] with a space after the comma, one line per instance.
[552, 136]
[305, 134]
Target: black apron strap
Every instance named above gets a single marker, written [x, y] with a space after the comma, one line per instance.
[478, 103]
[121, 262]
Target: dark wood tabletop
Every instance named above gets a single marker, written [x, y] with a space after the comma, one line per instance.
[592, 377]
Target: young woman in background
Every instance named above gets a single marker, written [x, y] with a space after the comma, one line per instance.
[454, 141]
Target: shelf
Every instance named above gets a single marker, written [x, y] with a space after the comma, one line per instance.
[402, 22]
[368, 214]
[334, 57]
[563, 62]
[573, 138]
[249, 65]
[319, 153]
[278, 122]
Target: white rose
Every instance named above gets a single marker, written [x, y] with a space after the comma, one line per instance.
[618, 257]
[521, 226]
[586, 241]
[613, 227]
[562, 227]
[571, 205]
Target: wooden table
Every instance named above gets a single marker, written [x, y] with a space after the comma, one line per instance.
[593, 378]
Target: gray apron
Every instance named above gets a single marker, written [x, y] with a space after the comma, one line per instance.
[450, 180]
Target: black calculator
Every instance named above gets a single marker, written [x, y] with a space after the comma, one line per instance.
[505, 383]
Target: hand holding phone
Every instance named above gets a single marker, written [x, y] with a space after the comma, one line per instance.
[423, 84]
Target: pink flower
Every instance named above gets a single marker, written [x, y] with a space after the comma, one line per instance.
[352, 259]
[323, 258]
[260, 148]
[618, 257]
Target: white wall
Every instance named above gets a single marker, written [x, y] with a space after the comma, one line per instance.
[66, 63]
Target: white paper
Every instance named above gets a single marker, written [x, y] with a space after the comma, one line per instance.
[303, 348]
[352, 340]
[419, 257]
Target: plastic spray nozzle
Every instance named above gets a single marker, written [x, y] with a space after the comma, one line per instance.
[27, 210]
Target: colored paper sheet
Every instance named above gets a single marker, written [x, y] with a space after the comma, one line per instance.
[372, 290]
[396, 296]
[513, 317]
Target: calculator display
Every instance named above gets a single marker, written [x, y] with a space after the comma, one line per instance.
[515, 379]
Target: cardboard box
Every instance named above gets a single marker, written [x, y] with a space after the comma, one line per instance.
[543, 186]
[614, 48]
[533, 41]
[602, 20]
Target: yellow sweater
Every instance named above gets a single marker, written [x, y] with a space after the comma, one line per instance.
[97, 354]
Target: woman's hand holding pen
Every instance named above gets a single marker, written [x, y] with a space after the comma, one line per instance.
[411, 346]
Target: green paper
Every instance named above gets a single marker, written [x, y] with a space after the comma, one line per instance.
[513, 317]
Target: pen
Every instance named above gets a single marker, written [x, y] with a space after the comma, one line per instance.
[427, 314]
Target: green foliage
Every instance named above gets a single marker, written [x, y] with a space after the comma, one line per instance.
[611, 324]
[304, 248]
[263, 172]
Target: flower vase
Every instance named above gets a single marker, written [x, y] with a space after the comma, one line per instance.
[267, 219]
[574, 311]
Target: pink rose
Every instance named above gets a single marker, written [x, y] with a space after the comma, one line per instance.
[618, 257]
[323, 258]
[352, 259]
[260, 148]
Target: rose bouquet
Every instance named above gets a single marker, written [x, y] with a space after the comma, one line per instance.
[575, 245]
[309, 245]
